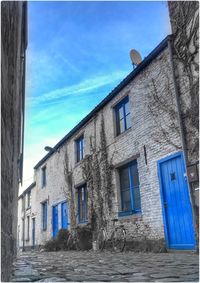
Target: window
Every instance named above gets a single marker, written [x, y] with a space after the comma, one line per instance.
[29, 199]
[44, 215]
[28, 227]
[44, 176]
[79, 149]
[82, 204]
[122, 112]
[129, 188]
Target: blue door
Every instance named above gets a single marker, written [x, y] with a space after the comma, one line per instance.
[176, 206]
[64, 215]
[55, 220]
[33, 232]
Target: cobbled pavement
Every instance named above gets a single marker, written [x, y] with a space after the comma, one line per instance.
[90, 266]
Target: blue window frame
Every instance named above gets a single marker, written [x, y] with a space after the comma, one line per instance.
[44, 215]
[129, 189]
[122, 112]
[82, 204]
[44, 178]
[79, 148]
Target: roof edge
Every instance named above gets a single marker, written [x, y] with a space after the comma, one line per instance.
[27, 189]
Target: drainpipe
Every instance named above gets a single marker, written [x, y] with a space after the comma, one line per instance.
[182, 131]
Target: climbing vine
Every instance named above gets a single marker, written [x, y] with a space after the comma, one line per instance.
[161, 103]
[97, 172]
[68, 190]
[184, 17]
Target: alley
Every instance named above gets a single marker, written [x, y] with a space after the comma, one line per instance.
[94, 266]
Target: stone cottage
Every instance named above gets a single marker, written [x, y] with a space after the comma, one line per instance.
[123, 160]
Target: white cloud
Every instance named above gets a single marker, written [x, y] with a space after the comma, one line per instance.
[83, 87]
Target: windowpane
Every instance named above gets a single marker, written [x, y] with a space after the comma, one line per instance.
[43, 176]
[124, 179]
[126, 200]
[44, 215]
[80, 149]
[134, 174]
[137, 202]
[122, 126]
[129, 186]
[127, 110]
[82, 204]
[121, 113]
[128, 121]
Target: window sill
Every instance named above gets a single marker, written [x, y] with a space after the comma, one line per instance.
[83, 223]
[122, 134]
[79, 162]
[28, 208]
[129, 213]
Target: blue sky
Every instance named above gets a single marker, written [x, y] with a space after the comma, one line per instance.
[77, 53]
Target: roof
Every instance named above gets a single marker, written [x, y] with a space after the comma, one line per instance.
[27, 190]
[109, 97]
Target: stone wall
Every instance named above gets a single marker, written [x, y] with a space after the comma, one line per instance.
[184, 17]
[145, 130]
[12, 95]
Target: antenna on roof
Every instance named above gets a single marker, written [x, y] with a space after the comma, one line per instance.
[135, 57]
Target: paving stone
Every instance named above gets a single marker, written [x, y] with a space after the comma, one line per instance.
[106, 267]
[52, 279]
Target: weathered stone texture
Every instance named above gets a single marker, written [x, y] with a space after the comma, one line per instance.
[12, 47]
[184, 17]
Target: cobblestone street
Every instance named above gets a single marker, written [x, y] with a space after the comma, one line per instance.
[94, 266]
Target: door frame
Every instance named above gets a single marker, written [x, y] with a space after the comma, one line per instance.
[53, 219]
[62, 213]
[33, 233]
[166, 230]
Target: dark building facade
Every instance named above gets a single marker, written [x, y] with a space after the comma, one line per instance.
[13, 47]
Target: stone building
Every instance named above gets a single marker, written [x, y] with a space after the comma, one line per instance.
[123, 160]
[184, 17]
[13, 47]
[25, 236]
